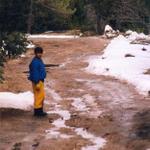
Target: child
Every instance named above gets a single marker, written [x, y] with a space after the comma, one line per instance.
[37, 74]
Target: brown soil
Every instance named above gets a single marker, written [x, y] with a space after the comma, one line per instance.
[124, 121]
[147, 72]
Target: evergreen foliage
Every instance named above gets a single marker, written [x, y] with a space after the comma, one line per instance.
[11, 45]
[35, 16]
[121, 14]
[14, 44]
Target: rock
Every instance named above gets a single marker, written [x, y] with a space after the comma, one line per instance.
[129, 55]
[107, 69]
[144, 49]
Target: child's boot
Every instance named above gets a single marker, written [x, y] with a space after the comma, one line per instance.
[39, 112]
[43, 112]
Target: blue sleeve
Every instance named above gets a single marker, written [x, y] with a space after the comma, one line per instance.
[34, 72]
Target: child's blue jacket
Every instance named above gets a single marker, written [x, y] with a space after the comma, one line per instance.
[37, 70]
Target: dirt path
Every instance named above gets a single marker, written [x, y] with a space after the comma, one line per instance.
[86, 111]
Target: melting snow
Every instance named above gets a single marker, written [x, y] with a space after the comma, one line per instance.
[98, 141]
[86, 104]
[79, 104]
[55, 95]
[59, 123]
[52, 92]
[54, 133]
[65, 115]
[18, 101]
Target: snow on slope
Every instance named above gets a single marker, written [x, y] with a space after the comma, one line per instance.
[124, 61]
[22, 101]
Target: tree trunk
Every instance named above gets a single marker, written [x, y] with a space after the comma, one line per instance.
[100, 25]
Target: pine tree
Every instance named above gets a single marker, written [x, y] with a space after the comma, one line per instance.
[121, 14]
[102, 11]
[78, 19]
[47, 10]
[13, 15]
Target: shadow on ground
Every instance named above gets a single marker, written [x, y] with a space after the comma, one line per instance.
[140, 138]
[19, 128]
[142, 124]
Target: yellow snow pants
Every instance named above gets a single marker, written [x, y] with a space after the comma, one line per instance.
[39, 94]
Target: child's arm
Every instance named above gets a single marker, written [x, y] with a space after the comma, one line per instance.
[34, 72]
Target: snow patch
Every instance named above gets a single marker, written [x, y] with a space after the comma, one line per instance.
[89, 99]
[97, 141]
[52, 92]
[86, 104]
[30, 46]
[54, 134]
[135, 36]
[108, 28]
[22, 101]
[59, 123]
[77, 90]
[53, 36]
[55, 95]
[63, 113]
[22, 55]
[109, 32]
[79, 104]
[113, 62]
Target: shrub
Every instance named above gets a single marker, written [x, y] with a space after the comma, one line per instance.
[11, 45]
[14, 44]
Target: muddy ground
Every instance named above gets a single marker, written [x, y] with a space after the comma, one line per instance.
[116, 113]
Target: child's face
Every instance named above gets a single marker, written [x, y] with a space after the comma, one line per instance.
[39, 55]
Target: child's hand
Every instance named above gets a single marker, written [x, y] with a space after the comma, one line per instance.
[38, 86]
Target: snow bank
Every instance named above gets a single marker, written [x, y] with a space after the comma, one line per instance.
[22, 101]
[124, 61]
[135, 36]
[53, 36]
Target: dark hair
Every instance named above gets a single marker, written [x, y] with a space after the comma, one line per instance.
[38, 50]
